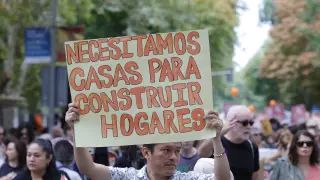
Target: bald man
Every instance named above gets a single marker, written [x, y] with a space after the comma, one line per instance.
[243, 155]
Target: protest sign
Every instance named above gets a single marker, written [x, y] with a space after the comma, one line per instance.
[277, 111]
[141, 89]
[298, 114]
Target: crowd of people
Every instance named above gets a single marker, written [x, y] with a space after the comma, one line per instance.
[240, 150]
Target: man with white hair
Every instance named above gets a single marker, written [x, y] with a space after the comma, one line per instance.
[243, 155]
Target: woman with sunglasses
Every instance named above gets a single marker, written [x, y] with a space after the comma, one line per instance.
[302, 162]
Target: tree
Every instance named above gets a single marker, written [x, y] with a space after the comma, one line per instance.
[106, 18]
[118, 18]
[292, 60]
[261, 87]
[16, 15]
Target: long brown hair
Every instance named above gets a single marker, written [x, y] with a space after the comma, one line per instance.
[21, 151]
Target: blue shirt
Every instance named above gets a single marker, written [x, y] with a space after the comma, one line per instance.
[134, 174]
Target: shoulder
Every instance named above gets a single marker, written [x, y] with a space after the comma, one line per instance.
[5, 169]
[23, 175]
[204, 165]
[192, 175]
[284, 164]
[4, 165]
[125, 173]
[71, 174]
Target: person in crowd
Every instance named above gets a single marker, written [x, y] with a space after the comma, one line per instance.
[161, 159]
[243, 155]
[56, 132]
[275, 124]
[302, 162]
[313, 126]
[63, 151]
[188, 156]
[284, 139]
[40, 163]
[100, 155]
[26, 133]
[130, 157]
[2, 145]
[256, 137]
[15, 159]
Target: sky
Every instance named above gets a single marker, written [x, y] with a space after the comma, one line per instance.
[250, 32]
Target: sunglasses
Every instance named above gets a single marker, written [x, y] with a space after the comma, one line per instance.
[307, 143]
[246, 122]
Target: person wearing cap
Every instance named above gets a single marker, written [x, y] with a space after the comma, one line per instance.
[242, 153]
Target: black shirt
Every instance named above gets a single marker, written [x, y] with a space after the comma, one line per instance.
[243, 158]
[6, 169]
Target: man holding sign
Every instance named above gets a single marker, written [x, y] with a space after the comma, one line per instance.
[162, 159]
[142, 89]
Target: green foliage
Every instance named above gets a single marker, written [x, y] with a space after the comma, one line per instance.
[290, 64]
[260, 86]
[106, 18]
[266, 14]
[118, 18]
[31, 88]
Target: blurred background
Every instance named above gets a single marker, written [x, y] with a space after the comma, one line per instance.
[264, 53]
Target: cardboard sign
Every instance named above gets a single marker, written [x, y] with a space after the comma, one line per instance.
[141, 89]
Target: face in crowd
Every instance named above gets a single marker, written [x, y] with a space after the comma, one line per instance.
[243, 121]
[16, 151]
[243, 126]
[256, 136]
[24, 135]
[187, 145]
[163, 159]
[11, 152]
[303, 146]
[39, 155]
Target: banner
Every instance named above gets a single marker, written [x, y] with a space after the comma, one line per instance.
[141, 89]
[276, 111]
[298, 114]
[37, 45]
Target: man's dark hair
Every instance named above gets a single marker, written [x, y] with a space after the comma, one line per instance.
[63, 151]
[150, 147]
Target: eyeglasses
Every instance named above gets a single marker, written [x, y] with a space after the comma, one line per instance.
[307, 143]
[246, 122]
